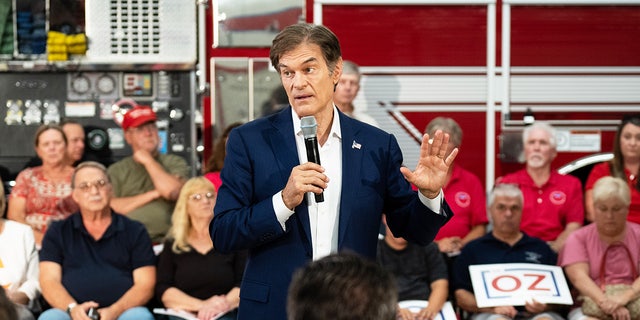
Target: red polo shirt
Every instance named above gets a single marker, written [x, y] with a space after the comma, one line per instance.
[465, 195]
[549, 208]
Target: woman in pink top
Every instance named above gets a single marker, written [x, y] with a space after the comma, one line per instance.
[42, 194]
[216, 160]
[624, 165]
[605, 252]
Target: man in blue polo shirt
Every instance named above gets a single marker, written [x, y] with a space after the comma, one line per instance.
[96, 258]
[504, 244]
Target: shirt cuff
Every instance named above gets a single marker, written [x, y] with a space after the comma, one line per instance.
[434, 204]
[282, 212]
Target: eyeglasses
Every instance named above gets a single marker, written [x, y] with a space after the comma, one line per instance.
[87, 186]
[200, 196]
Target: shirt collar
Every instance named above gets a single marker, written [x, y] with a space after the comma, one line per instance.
[115, 226]
[336, 131]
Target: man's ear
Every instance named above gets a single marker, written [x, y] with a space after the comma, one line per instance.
[337, 72]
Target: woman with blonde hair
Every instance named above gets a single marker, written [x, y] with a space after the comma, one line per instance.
[192, 276]
[601, 259]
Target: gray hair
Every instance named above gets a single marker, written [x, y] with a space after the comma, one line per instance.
[349, 67]
[447, 125]
[88, 164]
[551, 132]
[504, 190]
[609, 187]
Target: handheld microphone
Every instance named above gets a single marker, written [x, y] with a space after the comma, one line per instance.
[309, 128]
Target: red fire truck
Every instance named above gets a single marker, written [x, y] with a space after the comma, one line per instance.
[203, 64]
[486, 63]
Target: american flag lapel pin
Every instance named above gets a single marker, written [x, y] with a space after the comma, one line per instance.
[355, 145]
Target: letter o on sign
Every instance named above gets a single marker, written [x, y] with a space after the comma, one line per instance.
[500, 285]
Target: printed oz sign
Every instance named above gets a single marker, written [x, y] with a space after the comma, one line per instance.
[513, 284]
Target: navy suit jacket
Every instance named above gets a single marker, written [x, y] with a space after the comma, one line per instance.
[259, 160]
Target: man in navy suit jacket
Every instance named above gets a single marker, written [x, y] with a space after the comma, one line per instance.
[266, 204]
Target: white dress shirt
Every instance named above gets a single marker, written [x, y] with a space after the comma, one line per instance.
[323, 217]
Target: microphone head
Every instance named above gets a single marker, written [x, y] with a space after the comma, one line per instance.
[309, 126]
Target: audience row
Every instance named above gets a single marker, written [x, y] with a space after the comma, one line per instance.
[148, 186]
[99, 259]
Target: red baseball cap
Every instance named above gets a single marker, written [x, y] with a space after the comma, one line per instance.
[138, 116]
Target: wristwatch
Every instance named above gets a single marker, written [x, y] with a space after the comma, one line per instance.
[71, 306]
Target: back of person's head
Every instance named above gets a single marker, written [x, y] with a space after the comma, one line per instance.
[180, 222]
[607, 188]
[342, 287]
[278, 100]
[216, 160]
[296, 34]
[447, 125]
[542, 126]
[7, 309]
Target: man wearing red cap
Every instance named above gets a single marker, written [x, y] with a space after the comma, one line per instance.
[146, 184]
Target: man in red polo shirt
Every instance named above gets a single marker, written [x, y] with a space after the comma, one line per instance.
[553, 203]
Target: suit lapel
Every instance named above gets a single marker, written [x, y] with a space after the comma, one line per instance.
[284, 147]
[352, 151]
[283, 142]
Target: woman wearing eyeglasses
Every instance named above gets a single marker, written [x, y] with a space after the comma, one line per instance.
[624, 165]
[192, 276]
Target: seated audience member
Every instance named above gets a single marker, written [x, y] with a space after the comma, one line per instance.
[504, 244]
[216, 160]
[7, 308]
[96, 258]
[601, 259]
[192, 275]
[553, 205]
[624, 165]
[347, 90]
[464, 193]
[41, 194]
[74, 132]
[75, 141]
[146, 184]
[18, 263]
[420, 273]
[342, 286]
